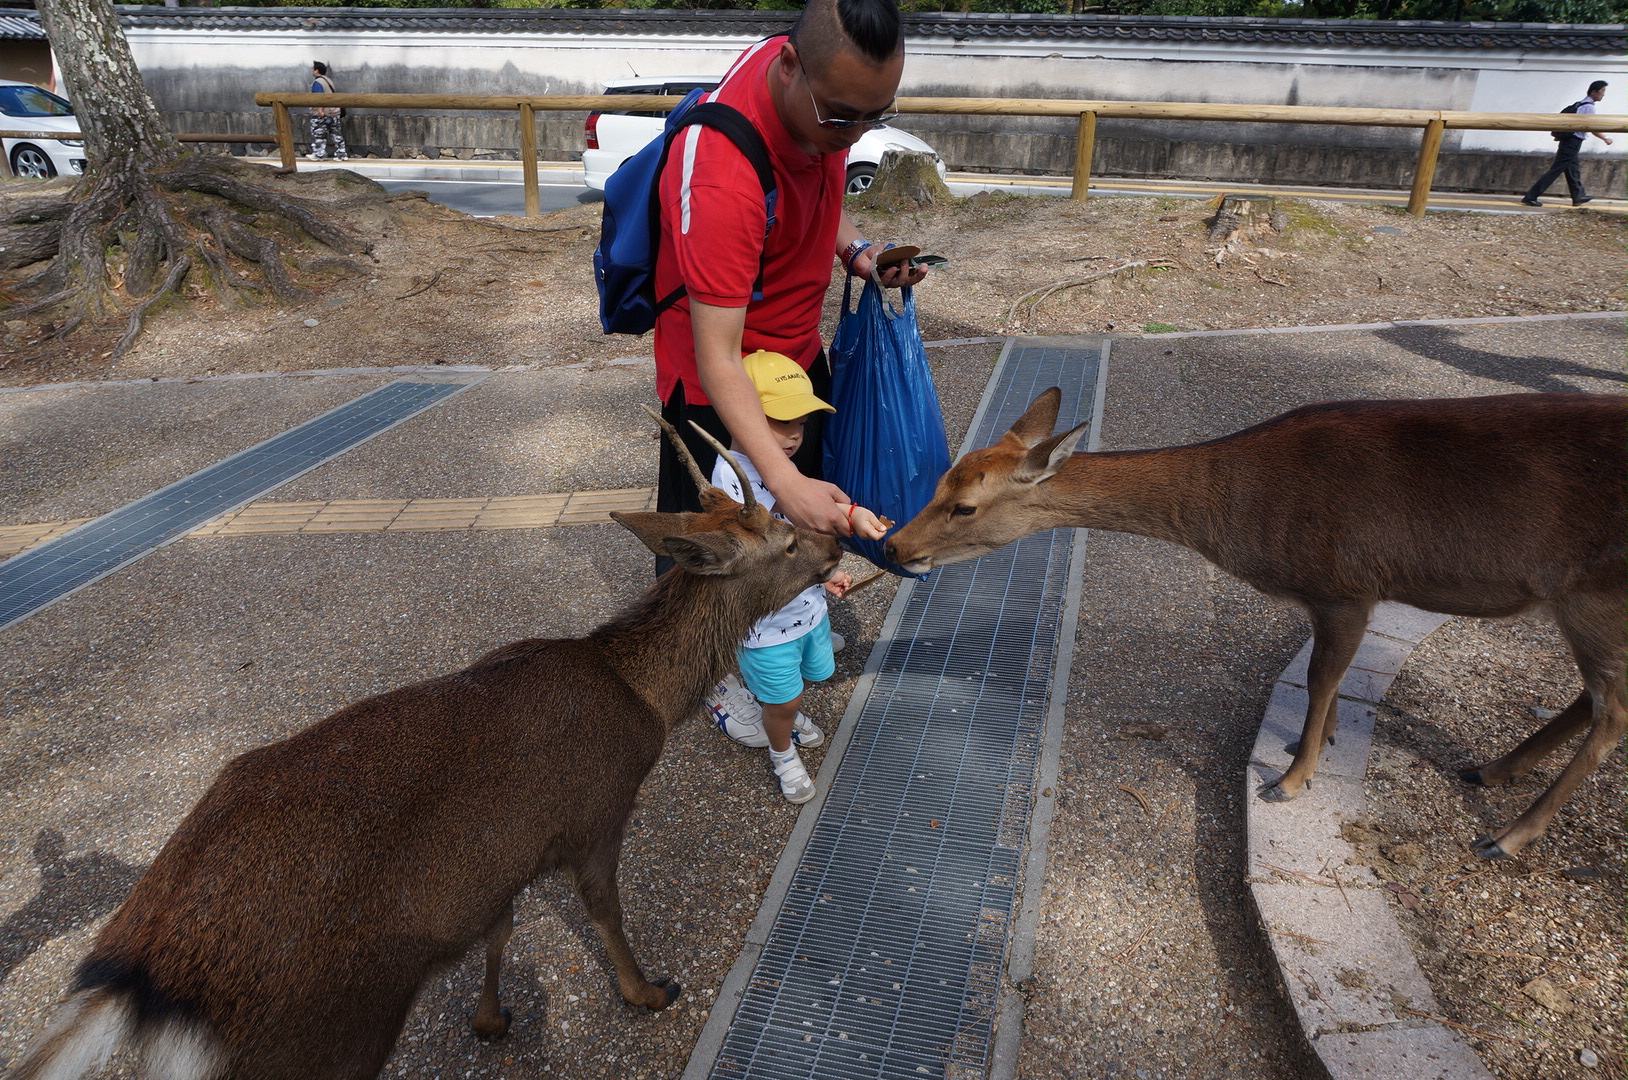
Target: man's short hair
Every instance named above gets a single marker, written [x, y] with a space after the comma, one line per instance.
[1597, 84]
[827, 26]
[319, 67]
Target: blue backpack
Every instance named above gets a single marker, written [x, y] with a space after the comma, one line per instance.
[630, 229]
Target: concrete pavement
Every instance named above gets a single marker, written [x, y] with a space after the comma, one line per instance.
[124, 699]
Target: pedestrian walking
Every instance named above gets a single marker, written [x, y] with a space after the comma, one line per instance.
[1567, 146]
[325, 123]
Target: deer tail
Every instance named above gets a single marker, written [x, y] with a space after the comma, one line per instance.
[83, 1036]
[95, 1023]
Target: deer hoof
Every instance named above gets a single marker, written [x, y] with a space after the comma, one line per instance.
[1488, 848]
[1274, 793]
[669, 989]
[493, 1032]
[1473, 776]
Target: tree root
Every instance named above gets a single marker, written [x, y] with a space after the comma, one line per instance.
[1044, 291]
[129, 224]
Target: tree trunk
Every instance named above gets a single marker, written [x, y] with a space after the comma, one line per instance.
[110, 101]
[158, 212]
[905, 180]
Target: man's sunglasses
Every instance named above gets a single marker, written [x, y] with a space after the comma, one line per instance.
[833, 124]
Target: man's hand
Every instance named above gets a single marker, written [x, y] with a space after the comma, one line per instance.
[897, 276]
[809, 503]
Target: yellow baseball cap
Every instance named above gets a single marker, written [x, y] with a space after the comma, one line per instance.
[784, 388]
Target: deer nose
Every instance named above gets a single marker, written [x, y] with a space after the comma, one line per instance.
[890, 551]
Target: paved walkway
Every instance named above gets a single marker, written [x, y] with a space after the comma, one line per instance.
[381, 568]
[384, 515]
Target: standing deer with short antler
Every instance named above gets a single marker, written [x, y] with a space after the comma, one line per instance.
[285, 929]
[1487, 507]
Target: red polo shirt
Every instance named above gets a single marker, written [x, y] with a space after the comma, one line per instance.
[712, 240]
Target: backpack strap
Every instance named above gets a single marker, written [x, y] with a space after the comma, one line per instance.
[739, 130]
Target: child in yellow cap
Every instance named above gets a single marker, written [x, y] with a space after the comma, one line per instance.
[794, 644]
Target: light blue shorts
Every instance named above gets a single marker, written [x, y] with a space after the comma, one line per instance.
[775, 674]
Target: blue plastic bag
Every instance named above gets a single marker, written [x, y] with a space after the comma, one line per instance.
[885, 444]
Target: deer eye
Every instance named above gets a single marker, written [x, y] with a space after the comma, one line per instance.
[962, 510]
[791, 548]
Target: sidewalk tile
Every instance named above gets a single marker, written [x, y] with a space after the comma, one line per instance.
[1345, 961]
[1430, 1052]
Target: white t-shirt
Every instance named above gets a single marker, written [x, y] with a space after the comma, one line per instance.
[808, 607]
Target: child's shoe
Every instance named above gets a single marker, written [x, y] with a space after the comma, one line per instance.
[795, 784]
[805, 734]
[737, 713]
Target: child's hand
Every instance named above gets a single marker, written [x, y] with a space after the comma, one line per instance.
[839, 584]
[866, 525]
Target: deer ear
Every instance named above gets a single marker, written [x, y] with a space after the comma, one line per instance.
[714, 554]
[1038, 420]
[653, 528]
[1043, 461]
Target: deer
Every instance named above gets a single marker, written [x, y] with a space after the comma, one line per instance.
[286, 927]
[1489, 507]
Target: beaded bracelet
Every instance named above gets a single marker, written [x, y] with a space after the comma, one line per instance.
[851, 252]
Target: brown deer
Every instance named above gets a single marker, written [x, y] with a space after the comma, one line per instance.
[1487, 507]
[286, 927]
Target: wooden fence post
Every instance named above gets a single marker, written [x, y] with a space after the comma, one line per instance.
[285, 134]
[1428, 149]
[528, 158]
[1084, 146]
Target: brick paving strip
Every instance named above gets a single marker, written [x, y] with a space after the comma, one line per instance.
[1347, 968]
[384, 515]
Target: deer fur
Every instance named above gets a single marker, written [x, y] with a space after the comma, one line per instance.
[1488, 507]
[286, 927]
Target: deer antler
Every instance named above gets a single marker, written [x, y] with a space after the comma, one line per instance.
[750, 504]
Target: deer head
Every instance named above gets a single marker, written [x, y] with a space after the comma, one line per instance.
[721, 540]
[992, 496]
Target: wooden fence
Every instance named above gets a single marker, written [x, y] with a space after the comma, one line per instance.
[1433, 123]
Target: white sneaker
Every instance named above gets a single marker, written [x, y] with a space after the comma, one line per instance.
[805, 734]
[838, 642]
[795, 784]
[737, 713]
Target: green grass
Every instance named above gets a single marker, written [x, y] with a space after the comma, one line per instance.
[1159, 328]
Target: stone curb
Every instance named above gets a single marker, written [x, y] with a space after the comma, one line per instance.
[1345, 964]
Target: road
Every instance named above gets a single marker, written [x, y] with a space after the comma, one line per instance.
[485, 188]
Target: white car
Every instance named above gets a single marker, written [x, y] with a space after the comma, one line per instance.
[613, 137]
[25, 107]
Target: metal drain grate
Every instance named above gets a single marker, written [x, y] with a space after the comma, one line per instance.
[886, 958]
[45, 574]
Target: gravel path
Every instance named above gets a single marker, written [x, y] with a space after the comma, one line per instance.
[122, 702]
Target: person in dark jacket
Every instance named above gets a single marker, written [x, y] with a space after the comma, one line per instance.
[1568, 143]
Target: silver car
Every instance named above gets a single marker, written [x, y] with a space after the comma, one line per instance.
[613, 137]
[25, 107]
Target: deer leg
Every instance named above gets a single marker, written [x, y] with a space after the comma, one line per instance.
[491, 1020]
[1336, 633]
[1610, 721]
[596, 885]
[1539, 745]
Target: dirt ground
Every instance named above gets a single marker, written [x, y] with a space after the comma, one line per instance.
[443, 288]
[1526, 955]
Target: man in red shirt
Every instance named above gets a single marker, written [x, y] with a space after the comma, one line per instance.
[810, 95]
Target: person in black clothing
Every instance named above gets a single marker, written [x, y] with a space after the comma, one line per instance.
[1566, 148]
